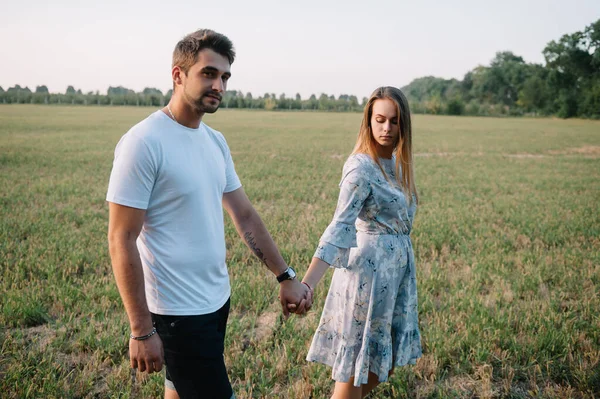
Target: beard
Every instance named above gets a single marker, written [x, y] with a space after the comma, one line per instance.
[205, 104]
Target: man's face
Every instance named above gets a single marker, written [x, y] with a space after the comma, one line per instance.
[206, 81]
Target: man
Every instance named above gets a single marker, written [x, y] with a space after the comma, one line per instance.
[172, 176]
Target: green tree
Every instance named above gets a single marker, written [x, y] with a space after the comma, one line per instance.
[533, 96]
[501, 82]
[455, 107]
[323, 102]
[573, 64]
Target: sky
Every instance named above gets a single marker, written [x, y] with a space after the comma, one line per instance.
[306, 47]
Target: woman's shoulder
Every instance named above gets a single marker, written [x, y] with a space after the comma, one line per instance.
[358, 165]
[359, 161]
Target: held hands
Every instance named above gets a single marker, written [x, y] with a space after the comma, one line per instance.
[295, 297]
[309, 298]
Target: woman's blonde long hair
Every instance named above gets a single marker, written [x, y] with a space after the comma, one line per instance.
[366, 144]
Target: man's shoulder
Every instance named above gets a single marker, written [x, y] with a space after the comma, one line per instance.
[215, 134]
[148, 129]
[217, 137]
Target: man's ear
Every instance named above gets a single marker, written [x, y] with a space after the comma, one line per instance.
[177, 74]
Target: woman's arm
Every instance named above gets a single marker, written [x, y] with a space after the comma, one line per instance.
[335, 243]
[315, 272]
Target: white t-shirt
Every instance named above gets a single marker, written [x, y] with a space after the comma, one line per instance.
[178, 175]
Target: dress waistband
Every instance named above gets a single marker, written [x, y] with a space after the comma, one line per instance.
[376, 233]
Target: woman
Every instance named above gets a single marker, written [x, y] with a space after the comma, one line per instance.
[369, 323]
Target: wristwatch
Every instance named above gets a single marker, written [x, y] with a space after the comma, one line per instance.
[288, 274]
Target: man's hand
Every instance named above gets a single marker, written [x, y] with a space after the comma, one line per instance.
[295, 297]
[146, 355]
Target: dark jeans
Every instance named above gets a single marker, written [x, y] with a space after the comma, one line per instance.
[194, 348]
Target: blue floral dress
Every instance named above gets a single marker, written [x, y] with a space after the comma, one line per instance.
[370, 320]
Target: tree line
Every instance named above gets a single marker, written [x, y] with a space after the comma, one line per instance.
[154, 97]
[568, 85]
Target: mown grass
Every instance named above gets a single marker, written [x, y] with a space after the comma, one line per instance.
[507, 240]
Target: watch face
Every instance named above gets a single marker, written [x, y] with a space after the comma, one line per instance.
[291, 272]
[288, 274]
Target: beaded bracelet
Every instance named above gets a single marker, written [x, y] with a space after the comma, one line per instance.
[143, 337]
[309, 287]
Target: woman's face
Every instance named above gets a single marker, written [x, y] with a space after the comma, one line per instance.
[385, 124]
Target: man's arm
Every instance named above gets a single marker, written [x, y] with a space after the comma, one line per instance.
[124, 226]
[253, 231]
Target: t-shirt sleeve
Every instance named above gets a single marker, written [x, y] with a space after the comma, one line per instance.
[133, 173]
[233, 181]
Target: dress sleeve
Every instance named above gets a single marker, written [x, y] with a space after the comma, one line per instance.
[335, 243]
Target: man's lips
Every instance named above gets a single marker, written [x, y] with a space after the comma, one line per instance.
[214, 96]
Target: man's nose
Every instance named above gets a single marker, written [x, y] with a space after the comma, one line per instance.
[218, 85]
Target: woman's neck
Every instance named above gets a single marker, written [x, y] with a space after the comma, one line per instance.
[385, 152]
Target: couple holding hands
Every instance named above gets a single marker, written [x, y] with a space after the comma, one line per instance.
[173, 175]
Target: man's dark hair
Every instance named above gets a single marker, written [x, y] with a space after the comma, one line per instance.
[186, 51]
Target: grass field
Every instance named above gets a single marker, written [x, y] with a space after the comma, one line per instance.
[507, 239]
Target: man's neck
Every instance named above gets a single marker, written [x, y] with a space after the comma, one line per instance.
[182, 113]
